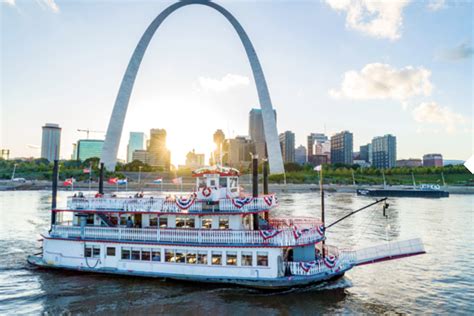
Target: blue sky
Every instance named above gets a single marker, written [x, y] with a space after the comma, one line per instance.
[373, 68]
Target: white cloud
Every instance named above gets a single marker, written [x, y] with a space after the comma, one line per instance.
[382, 81]
[435, 5]
[9, 2]
[433, 113]
[50, 4]
[378, 18]
[227, 82]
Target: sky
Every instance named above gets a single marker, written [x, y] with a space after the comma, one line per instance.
[371, 67]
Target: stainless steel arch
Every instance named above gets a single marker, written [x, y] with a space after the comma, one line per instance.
[114, 130]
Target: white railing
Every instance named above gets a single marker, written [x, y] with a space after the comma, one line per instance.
[345, 260]
[390, 251]
[163, 205]
[244, 237]
[299, 222]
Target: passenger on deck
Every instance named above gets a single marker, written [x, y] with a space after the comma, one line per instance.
[129, 222]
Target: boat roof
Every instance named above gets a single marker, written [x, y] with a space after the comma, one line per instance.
[220, 170]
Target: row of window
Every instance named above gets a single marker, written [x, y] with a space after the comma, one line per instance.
[183, 222]
[228, 258]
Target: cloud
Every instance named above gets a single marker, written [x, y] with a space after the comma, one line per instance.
[460, 52]
[382, 81]
[48, 4]
[435, 5]
[377, 18]
[227, 82]
[433, 113]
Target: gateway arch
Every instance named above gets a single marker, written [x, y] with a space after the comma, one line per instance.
[114, 130]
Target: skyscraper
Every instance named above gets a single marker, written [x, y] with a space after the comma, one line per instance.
[342, 148]
[158, 154]
[51, 141]
[136, 141]
[216, 157]
[432, 160]
[256, 131]
[312, 140]
[89, 148]
[236, 151]
[300, 155]
[384, 151]
[365, 153]
[287, 144]
[194, 160]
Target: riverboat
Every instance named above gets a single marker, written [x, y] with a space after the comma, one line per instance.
[424, 191]
[216, 234]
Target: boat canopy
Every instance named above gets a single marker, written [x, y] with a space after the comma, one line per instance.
[220, 170]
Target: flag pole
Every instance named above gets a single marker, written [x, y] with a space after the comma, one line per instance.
[90, 176]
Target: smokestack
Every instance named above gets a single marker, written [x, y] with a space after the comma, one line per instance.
[101, 178]
[255, 187]
[265, 176]
[55, 191]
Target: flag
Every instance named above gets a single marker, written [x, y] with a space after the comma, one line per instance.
[86, 170]
[318, 168]
[178, 180]
[113, 181]
[122, 181]
[69, 181]
[159, 180]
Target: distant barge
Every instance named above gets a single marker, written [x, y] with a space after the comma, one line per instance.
[425, 191]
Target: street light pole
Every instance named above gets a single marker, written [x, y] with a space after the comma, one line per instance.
[139, 174]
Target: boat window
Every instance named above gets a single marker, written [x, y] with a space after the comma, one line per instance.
[206, 222]
[247, 259]
[180, 256]
[231, 258]
[88, 252]
[202, 183]
[223, 223]
[216, 258]
[169, 255]
[223, 182]
[202, 257]
[146, 254]
[212, 183]
[184, 222]
[96, 251]
[262, 259]
[156, 255]
[163, 221]
[191, 257]
[153, 220]
[111, 251]
[233, 182]
[125, 253]
[90, 219]
[135, 254]
[123, 220]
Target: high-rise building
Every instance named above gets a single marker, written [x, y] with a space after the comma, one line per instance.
[384, 151]
[74, 151]
[300, 155]
[287, 144]
[158, 154]
[51, 141]
[219, 138]
[237, 151]
[141, 155]
[136, 141]
[256, 131]
[89, 148]
[365, 153]
[342, 148]
[432, 160]
[5, 154]
[194, 160]
[317, 144]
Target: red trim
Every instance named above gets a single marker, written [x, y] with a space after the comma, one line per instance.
[391, 258]
[198, 213]
[174, 244]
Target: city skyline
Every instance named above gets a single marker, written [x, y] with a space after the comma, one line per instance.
[428, 97]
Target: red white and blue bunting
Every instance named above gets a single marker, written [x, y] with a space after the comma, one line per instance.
[241, 202]
[185, 203]
[330, 261]
[306, 266]
[270, 200]
[298, 233]
[321, 229]
[267, 234]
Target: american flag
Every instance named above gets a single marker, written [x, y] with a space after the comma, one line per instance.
[112, 180]
[69, 181]
[86, 170]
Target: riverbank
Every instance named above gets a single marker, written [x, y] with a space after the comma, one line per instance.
[189, 186]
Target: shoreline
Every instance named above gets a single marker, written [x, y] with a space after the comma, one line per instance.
[169, 187]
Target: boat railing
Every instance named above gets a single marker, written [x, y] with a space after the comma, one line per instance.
[172, 235]
[346, 259]
[170, 205]
[298, 222]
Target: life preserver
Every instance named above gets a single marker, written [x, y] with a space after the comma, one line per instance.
[206, 191]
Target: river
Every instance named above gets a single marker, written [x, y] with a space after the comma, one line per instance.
[438, 282]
